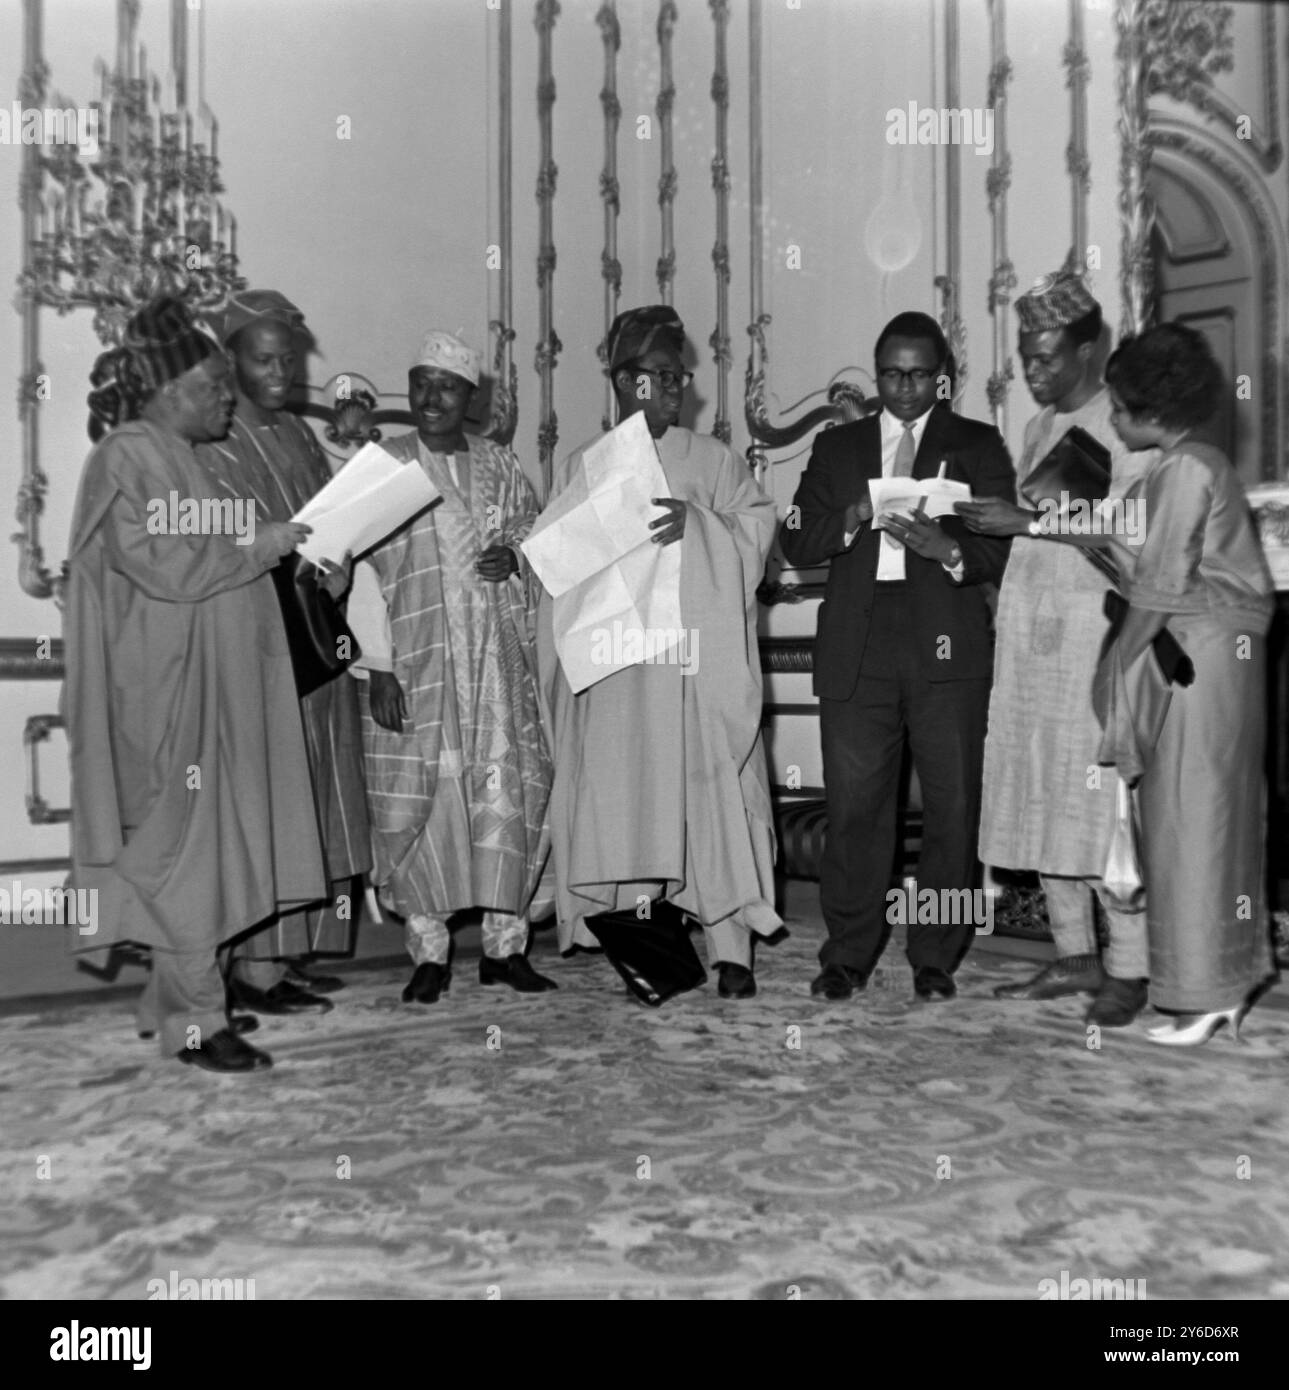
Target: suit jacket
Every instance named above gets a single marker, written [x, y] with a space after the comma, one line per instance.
[951, 620]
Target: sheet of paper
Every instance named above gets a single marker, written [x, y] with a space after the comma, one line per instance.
[617, 594]
[372, 495]
[903, 495]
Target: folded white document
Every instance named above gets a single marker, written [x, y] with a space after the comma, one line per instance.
[903, 495]
[617, 594]
[372, 495]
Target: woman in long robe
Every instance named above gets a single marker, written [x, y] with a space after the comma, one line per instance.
[1200, 572]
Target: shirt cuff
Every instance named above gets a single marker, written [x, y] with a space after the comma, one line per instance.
[955, 572]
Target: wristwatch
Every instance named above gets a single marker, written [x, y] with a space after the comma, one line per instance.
[955, 557]
[1035, 527]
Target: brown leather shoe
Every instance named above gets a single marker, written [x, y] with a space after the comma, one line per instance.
[1069, 975]
[1118, 1002]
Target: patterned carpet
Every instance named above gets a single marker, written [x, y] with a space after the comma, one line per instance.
[597, 1149]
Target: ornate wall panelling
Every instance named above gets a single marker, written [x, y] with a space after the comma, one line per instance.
[783, 654]
[610, 189]
[720, 339]
[950, 283]
[1181, 146]
[1002, 280]
[504, 406]
[1187, 46]
[548, 344]
[113, 218]
[667, 179]
[1135, 213]
[1077, 161]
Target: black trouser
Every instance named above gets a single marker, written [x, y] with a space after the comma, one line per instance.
[863, 743]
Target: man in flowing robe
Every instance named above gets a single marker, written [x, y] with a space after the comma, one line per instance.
[270, 455]
[1047, 806]
[188, 760]
[458, 775]
[661, 802]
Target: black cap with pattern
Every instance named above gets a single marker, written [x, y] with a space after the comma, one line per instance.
[164, 342]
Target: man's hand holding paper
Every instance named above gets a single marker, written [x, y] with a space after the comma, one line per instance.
[372, 495]
[593, 550]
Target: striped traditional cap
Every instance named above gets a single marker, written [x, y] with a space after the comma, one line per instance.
[1054, 301]
[254, 306]
[637, 330]
[164, 342]
[449, 353]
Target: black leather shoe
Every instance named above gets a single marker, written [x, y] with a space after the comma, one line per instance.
[736, 981]
[1118, 1003]
[239, 1023]
[315, 984]
[282, 998]
[225, 1052]
[514, 971]
[1069, 975]
[837, 982]
[427, 983]
[929, 981]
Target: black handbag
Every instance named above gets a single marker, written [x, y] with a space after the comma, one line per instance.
[1076, 468]
[322, 646]
[655, 958]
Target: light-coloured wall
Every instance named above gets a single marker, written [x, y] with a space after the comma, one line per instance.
[384, 234]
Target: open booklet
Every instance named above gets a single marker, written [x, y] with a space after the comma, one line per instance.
[617, 594]
[372, 495]
[931, 496]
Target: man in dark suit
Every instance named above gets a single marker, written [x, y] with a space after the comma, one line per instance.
[903, 649]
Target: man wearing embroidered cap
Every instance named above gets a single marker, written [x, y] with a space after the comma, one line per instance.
[187, 755]
[661, 809]
[271, 456]
[1046, 804]
[457, 771]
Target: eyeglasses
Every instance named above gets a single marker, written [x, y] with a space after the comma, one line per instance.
[668, 380]
[919, 376]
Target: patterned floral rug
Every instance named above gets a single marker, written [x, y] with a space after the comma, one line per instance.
[576, 1145]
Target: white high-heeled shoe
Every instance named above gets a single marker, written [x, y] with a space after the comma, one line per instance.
[1199, 1029]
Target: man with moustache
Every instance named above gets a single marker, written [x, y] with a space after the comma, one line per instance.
[458, 776]
[272, 457]
[187, 755]
[903, 651]
[660, 812]
[1047, 806]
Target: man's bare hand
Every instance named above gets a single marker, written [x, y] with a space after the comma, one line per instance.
[669, 528]
[921, 534]
[334, 578]
[995, 516]
[274, 539]
[856, 515]
[388, 703]
[496, 563]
